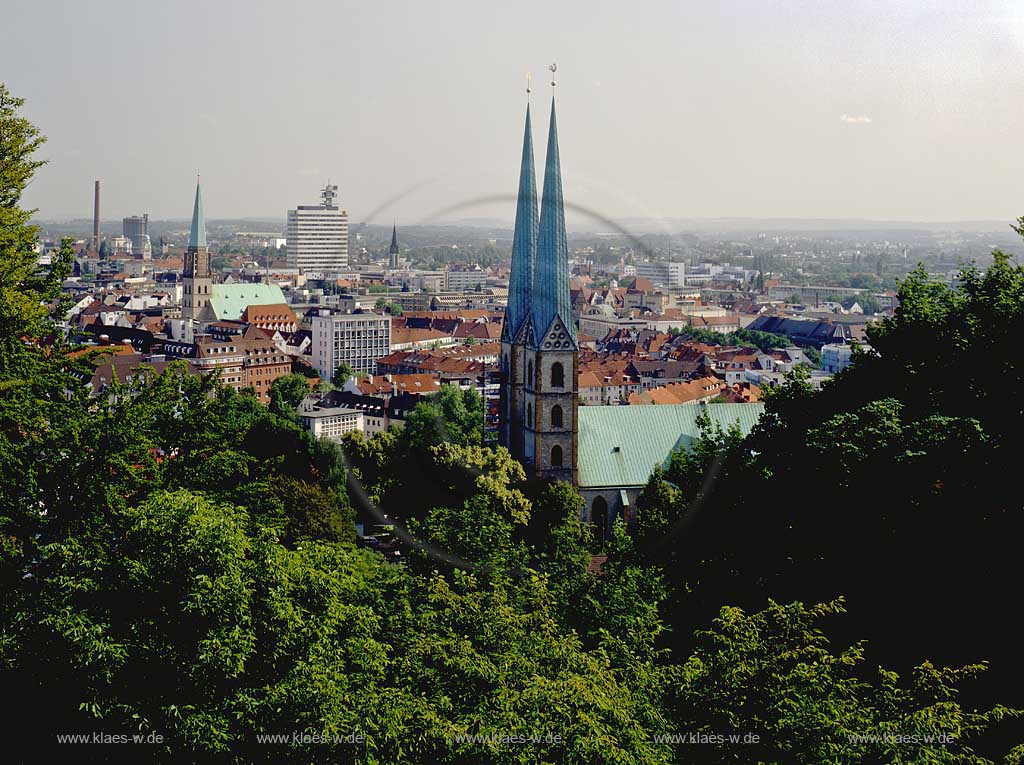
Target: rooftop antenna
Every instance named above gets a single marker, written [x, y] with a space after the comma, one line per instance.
[329, 193]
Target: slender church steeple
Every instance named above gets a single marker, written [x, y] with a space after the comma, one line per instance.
[512, 419]
[551, 299]
[197, 236]
[524, 240]
[197, 281]
[540, 360]
[393, 249]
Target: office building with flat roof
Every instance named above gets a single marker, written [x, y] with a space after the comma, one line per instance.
[355, 339]
[317, 236]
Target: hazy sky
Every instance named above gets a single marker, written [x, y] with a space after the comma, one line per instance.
[888, 110]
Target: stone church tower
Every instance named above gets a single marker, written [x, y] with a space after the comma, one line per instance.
[540, 351]
[197, 281]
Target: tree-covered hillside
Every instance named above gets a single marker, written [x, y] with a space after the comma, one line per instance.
[178, 563]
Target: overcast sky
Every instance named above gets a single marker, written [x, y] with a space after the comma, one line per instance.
[894, 110]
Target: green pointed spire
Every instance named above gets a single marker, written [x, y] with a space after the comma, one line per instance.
[551, 272]
[524, 240]
[197, 237]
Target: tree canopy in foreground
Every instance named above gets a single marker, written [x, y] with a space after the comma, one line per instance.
[177, 560]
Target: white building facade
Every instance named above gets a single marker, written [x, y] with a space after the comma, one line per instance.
[663, 273]
[332, 423]
[464, 279]
[835, 357]
[355, 339]
[317, 236]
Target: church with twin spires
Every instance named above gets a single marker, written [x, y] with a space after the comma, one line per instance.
[539, 403]
[606, 452]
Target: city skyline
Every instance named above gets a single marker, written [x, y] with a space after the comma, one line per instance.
[690, 423]
[809, 110]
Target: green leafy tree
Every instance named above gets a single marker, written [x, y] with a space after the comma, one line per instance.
[451, 415]
[177, 558]
[390, 306]
[26, 294]
[922, 424]
[309, 511]
[771, 676]
[764, 341]
[287, 392]
[660, 505]
[341, 375]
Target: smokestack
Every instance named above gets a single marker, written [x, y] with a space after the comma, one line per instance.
[96, 219]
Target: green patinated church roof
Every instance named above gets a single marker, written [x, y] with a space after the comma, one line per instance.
[229, 301]
[645, 437]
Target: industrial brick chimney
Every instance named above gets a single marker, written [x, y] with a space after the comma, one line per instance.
[96, 219]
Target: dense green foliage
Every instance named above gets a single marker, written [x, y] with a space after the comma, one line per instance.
[895, 486]
[24, 290]
[390, 306]
[178, 560]
[451, 416]
[287, 392]
[764, 341]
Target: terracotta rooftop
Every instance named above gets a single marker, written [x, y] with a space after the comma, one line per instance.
[679, 393]
[390, 384]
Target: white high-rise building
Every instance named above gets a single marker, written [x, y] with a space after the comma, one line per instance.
[465, 278]
[136, 228]
[317, 235]
[663, 273]
[355, 339]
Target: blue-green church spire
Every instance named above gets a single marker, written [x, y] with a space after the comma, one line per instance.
[524, 240]
[551, 272]
[197, 237]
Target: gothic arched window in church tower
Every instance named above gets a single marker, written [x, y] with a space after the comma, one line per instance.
[556, 456]
[529, 415]
[556, 416]
[529, 373]
[557, 375]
